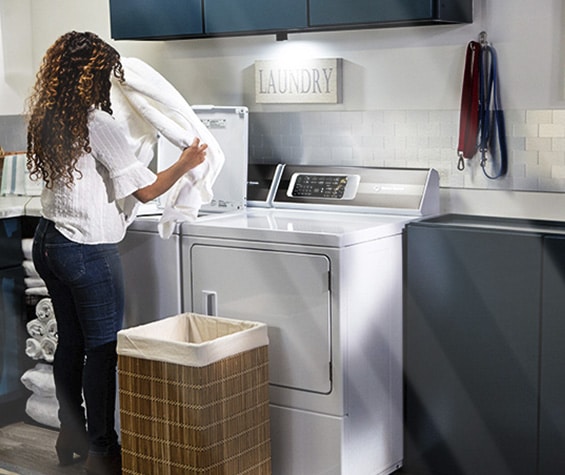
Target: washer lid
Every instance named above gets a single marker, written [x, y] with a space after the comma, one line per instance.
[298, 227]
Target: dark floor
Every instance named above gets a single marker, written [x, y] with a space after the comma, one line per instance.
[29, 449]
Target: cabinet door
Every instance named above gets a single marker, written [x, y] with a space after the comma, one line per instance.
[335, 12]
[552, 390]
[287, 291]
[229, 16]
[12, 334]
[472, 351]
[11, 254]
[151, 277]
[145, 19]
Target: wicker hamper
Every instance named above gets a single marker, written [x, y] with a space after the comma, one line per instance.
[194, 397]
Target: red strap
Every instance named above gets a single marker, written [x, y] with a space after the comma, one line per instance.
[469, 116]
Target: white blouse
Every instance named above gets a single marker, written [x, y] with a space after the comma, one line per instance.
[90, 211]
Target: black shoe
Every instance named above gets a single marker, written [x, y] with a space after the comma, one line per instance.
[69, 443]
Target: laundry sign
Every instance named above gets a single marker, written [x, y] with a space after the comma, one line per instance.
[305, 81]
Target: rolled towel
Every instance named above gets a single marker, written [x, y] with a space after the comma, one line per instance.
[48, 347]
[29, 268]
[27, 245]
[44, 309]
[33, 350]
[51, 327]
[36, 329]
[39, 291]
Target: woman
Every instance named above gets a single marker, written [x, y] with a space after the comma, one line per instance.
[80, 152]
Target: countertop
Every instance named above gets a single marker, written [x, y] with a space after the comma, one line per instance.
[15, 206]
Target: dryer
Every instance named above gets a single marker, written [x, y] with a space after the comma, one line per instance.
[321, 265]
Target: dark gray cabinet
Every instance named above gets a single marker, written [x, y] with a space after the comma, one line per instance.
[231, 16]
[171, 19]
[155, 19]
[552, 387]
[485, 358]
[12, 311]
[383, 12]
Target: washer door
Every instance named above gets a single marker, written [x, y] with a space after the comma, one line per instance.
[287, 291]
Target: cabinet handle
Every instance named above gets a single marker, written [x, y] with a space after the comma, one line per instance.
[210, 303]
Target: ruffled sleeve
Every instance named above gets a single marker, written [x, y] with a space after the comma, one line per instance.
[130, 179]
[126, 174]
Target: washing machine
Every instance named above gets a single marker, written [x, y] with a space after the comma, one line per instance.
[152, 265]
[321, 265]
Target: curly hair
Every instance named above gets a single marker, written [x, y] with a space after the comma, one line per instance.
[74, 77]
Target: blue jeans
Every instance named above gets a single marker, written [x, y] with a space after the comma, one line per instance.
[85, 283]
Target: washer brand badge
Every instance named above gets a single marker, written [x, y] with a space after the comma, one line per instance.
[305, 81]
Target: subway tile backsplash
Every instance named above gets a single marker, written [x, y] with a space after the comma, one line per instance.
[535, 141]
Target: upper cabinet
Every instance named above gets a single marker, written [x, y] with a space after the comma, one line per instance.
[367, 13]
[155, 19]
[238, 16]
[174, 19]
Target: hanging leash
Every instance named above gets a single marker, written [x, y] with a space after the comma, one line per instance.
[481, 123]
[493, 128]
[469, 115]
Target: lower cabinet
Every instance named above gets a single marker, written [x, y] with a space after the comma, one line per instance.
[12, 315]
[484, 343]
[552, 388]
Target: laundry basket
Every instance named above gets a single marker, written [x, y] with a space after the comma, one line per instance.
[194, 397]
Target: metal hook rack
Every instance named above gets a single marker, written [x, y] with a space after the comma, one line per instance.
[483, 38]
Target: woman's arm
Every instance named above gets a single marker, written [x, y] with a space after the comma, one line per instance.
[190, 158]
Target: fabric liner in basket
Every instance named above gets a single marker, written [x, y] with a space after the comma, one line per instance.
[191, 339]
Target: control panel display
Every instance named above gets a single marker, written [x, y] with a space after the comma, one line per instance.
[323, 186]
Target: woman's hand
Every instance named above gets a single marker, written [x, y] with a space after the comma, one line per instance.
[193, 155]
[190, 158]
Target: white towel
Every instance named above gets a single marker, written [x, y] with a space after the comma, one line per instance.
[39, 380]
[27, 245]
[37, 291]
[36, 329]
[44, 310]
[148, 104]
[31, 282]
[29, 268]
[48, 347]
[33, 349]
[43, 410]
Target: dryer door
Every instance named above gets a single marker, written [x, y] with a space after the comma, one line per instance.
[287, 291]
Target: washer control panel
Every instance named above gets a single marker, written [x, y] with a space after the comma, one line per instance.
[323, 186]
[413, 191]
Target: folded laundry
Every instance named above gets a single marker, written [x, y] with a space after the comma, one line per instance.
[39, 380]
[29, 268]
[27, 245]
[31, 282]
[43, 410]
[37, 291]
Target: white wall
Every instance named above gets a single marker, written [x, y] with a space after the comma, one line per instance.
[406, 68]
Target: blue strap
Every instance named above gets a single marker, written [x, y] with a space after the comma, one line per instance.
[492, 126]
